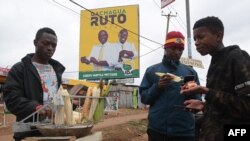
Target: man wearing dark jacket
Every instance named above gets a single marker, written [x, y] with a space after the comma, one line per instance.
[166, 120]
[228, 81]
[32, 82]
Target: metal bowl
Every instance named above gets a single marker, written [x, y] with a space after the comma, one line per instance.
[53, 130]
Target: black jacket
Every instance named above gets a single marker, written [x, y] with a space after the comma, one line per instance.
[23, 90]
[228, 99]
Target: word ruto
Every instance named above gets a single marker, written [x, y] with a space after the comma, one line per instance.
[112, 16]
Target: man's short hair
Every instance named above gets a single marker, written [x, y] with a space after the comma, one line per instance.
[44, 30]
[214, 24]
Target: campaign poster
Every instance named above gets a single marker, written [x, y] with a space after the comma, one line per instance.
[109, 43]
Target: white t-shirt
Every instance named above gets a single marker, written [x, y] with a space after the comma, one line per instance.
[48, 81]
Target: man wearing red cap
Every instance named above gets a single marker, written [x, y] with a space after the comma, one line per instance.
[166, 121]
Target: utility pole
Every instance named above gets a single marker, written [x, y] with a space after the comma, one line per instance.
[168, 16]
[188, 30]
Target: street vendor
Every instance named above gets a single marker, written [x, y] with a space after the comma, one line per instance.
[32, 82]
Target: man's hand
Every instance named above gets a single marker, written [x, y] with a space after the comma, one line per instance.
[125, 54]
[44, 113]
[103, 63]
[99, 63]
[193, 90]
[93, 60]
[193, 105]
[164, 81]
[85, 60]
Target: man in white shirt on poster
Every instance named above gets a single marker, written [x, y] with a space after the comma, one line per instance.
[127, 51]
[101, 55]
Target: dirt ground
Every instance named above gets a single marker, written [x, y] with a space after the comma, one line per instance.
[132, 130]
[127, 131]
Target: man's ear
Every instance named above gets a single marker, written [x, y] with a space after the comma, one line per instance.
[34, 42]
[220, 36]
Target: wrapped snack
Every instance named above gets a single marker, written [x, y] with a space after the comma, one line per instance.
[175, 77]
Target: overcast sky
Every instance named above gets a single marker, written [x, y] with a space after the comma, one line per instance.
[20, 20]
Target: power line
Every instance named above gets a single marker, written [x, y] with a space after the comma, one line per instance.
[178, 16]
[65, 7]
[175, 18]
[183, 27]
[148, 46]
[151, 51]
[168, 16]
[164, 13]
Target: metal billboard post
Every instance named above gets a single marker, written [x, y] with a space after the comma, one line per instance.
[188, 30]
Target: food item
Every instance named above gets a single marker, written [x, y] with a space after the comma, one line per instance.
[76, 117]
[59, 115]
[86, 105]
[95, 93]
[104, 88]
[99, 111]
[108, 87]
[160, 74]
[175, 77]
[101, 105]
[59, 107]
[67, 107]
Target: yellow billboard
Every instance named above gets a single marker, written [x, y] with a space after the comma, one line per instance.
[109, 43]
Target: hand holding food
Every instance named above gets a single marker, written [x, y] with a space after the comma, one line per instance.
[174, 78]
[44, 113]
[164, 81]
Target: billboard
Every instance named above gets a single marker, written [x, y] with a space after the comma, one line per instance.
[109, 43]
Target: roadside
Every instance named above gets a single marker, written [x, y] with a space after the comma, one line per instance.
[125, 128]
[127, 124]
[119, 120]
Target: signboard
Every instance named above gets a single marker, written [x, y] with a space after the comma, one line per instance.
[111, 104]
[192, 62]
[164, 3]
[109, 43]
